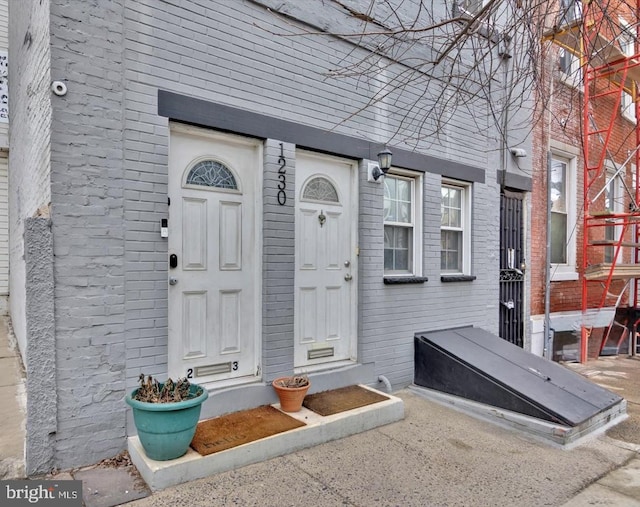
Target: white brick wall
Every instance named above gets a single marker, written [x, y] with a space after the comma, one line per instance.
[30, 137]
[4, 229]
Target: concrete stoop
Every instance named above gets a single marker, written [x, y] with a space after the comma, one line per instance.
[554, 434]
[317, 430]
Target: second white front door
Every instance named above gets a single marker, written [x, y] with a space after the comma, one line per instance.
[326, 260]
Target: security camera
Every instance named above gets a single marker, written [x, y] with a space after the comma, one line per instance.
[518, 152]
[59, 88]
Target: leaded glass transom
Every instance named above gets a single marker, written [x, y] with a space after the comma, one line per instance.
[210, 173]
[320, 189]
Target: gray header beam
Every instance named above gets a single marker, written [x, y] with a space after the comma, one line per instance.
[210, 114]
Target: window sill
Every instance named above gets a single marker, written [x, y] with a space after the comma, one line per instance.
[572, 81]
[457, 278]
[564, 276]
[396, 280]
[630, 118]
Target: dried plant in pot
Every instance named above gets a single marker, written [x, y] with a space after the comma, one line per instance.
[291, 391]
[166, 415]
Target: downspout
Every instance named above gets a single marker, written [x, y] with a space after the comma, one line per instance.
[506, 56]
[386, 383]
[548, 341]
[548, 345]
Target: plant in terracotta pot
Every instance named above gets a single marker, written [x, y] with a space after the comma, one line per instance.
[291, 391]
[166, 415]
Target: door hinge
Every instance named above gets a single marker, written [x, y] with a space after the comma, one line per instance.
[258, 371]
[357, 251]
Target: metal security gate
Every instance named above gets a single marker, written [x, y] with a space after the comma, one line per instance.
[511, 268]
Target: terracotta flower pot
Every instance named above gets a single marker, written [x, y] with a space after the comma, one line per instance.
[291, 398]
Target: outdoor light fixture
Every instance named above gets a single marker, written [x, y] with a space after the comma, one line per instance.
[383, 166]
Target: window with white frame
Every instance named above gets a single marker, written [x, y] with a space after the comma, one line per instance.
[562, 196]
[613, 196]
[568, 62]
[403, 223]
[627, 45]
[455, 228]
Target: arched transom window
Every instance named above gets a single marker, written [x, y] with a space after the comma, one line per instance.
[210, 173]
[320, 189]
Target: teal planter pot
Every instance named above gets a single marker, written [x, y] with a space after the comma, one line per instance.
[166, 429]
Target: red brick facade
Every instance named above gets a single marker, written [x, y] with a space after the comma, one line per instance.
[560, 109]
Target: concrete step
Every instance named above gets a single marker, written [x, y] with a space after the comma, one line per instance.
[317, 430]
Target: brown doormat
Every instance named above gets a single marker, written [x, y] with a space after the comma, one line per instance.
[231, 430]
[341, 400]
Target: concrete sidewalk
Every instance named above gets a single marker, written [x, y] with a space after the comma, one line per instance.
[12, 400]
[434, 457]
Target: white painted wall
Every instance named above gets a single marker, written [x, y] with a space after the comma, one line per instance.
[4, 175]
[4, 232]
[4, 46]
[29, 156]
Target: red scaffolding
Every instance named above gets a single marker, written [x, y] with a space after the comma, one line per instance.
[605, 40]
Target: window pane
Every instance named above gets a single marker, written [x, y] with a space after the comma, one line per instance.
[451, 251]
[445, 197]
[558, 238]
[390, 213]
[456, 198]
[401, 238]
[404, 215]
[388, 259]
[445, 217]
[404, 190]
[320, 189]
[455, 218]
[558, 191]
[451, 207]
[397, 200]
[397, 248]
[210, 173]
[402, 260]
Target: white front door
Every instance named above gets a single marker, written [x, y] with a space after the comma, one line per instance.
[214, 262]
[326, 261]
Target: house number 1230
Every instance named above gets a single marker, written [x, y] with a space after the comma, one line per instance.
[282, 177]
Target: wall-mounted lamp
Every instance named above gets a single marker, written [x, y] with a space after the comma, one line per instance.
[518, 152]
[375, 171]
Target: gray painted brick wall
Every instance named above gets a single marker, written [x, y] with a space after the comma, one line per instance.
[109, 154]
[278, 262]
[42, 420]
[87, 200]
[193, 48]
